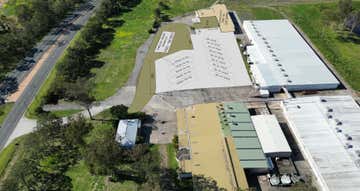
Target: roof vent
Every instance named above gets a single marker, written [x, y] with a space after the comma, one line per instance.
[330, 116]
[338, 122]
[338, 130]
[357, 153]
[348, 146]
[279, 64]
[285, 75]
[282, 69]
[277, 60]
[348, 137]
[329, 109]
[271, 50]
[323, 100]
[298, 106]
[289, 81]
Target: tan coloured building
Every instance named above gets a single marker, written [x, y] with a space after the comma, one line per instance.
[221, 13]
[211, 153]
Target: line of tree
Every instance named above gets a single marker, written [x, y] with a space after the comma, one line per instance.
[33, 19]
[72, 82]
[160, 15]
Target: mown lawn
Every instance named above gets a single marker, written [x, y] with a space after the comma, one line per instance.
[82, 180]
[4, 110]
[119, 57]
[317, 22]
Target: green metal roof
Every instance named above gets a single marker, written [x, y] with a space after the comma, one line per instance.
[254, 164]
[243, 134]
[250, 154]
[236, 121]
[236, 107]
[247, 143]
[241, 127]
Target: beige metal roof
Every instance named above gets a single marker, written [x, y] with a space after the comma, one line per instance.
[200, 131]
[221, 13]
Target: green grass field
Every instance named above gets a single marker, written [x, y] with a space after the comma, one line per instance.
[344, 54]
[82, 180]
[9, 8]
[4, 110]
[119, 57]
[145, 87]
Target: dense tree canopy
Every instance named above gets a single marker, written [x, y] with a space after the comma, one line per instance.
[34, 19]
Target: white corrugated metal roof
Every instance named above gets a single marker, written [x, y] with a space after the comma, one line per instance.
[281, 57]
[127, 131]
[322, 127]
[214, 62]
[271, 137]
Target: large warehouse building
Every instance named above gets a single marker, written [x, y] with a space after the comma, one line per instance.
[214, 62]
[280, 57]
[327, 131]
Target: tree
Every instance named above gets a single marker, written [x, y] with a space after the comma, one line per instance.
[345, 8]
[76, 129]
[200, 183]
[354, 20]
[80, 92]
[119, 111]
[103, 154]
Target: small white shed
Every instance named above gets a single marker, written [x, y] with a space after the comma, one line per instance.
[127, 131]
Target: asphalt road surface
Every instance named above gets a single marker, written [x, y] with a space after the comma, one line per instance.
[66, 35]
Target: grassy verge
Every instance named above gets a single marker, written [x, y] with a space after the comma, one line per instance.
[37, 102]
[7, 154]
[65, 113]
[4, 110]
[172, 162]
[340, 48]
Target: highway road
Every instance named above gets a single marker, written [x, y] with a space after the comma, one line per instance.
[61, 40]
